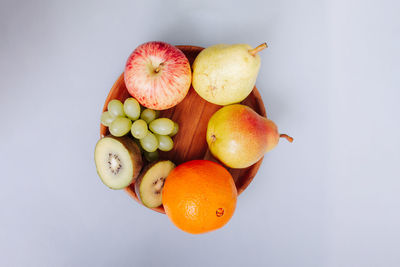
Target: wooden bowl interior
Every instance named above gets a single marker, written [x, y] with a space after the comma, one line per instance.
[192, 115]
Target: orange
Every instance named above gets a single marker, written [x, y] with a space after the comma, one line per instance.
[199, 196]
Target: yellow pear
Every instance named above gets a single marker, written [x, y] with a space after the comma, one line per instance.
[239, 137]
[226, 74]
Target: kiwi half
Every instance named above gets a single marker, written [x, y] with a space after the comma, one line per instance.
[150, 183]
[118, 161]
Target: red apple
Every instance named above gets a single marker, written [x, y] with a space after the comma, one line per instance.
[158, 75]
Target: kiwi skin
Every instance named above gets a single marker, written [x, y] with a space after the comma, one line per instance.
[134, 153]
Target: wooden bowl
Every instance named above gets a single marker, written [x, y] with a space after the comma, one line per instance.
[192, 115]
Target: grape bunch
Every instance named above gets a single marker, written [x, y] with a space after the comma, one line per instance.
[150, 132]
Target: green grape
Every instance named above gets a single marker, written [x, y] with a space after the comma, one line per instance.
[139, 129]
[116, 108]
[132, 108]
[148, 115]
[149, 143]
[162, 126]
[157, 114]
[151, 156]
[165, 142]
[106, 118]
[175, 130]
[120, 126]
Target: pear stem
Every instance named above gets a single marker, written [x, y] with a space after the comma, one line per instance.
[287, 137]
[254, 51]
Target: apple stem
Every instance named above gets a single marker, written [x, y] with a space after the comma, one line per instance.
[254, 51]
[159, 67]
[287, 137]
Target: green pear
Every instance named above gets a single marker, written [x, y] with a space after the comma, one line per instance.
[226, 74]
[239, 137]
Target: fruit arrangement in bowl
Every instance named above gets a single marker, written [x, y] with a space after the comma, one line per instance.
[184, 131]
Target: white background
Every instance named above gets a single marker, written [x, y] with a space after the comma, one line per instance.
[330, 78]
